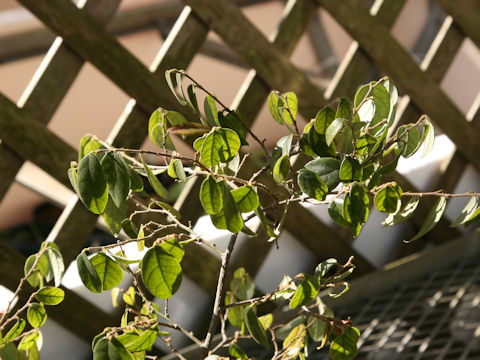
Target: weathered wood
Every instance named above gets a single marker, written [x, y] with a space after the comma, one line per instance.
[76, 313]
[466, 14]
[33, 141]
[374, 38]
[247, 41]
[46, 90]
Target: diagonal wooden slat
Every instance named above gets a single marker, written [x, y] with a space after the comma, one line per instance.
[374, 38]
[47, 89]
[466, 14]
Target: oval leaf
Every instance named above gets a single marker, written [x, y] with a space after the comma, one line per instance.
[323, 120]
[350, 170]
[109, 272]
[255, 328]
[36, 315]
[246, 198]
[87, 273]
[312, 185]
[432, 218]
[344, 347]
[50, 295]
[161, 272]
[118, 177]
[328, 169]
[211, 196]
[92, 184]
[156, 184]
[220, 145]
[388, 199]
[306, 291]
[281, 169]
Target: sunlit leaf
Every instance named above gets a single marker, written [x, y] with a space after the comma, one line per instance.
[220, 145]
[335, 210]
[36, 315]
[281, 169]
[118, 178]
[333, 130]
[350, 170]
[210, 108]
[312, 185]
[232, 120]
[408, 140]
[388, 199]
[290, 108]
[295, 341]
[236, 352]
[211, 196]
[344, 347]
[174, 248]
[402, 214]
[15, 330]
[246, 198]
[306, 291]
[50, 295]
[323, 120]
[428, 136]
[242, 285]
[176, 170]
[327, 168]
[273, 107]
[92, 184]
[87, 273]
[356, 208]
[344, 109]
[255, 328]
[432, 218]
[109, 272]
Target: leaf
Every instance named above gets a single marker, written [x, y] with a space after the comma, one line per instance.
[211, 196]
[8, 352]
[402, 214]
[318, 144]
[233, 121]
[323, 120]
[318, 328]
[255, 328]
[246, 198]
[350, 170]
[233, 217]
[175, 118]
[175, 170]
[381, 99]
[29, 341]
[344, 109]
[327, 168]
[335, 210]
[144, 342]
[87, 145]
[114, 216]
[15, 330]
[282, 332]
[236, 352]
[192, 97]
[73, 177]
[273, 107]
[285, 144]
[36, 315]
[118, 178]
[290, 108]
[129, 296]
[50, 295]
[388, 199]
[344, 347]
[235, 313]
[428, 136]
[432, 218]
[408, 140]
[136, 182]
[174, 248]
[100, 349]
[220, 145]
[326, 269]
[109, 272]
[92, 184]
[266, 321]
[312, 185]
[56, 267]
[365, 144]
[356, 207]
[281, 169]
[242, 285]
[157, 128]
[116, 350]
[306, 291]
[157, 186]
[161, 272]
[130, 228]
[87, 273]
[333, 130]
[39, 272]
[210, 108]
[295, 341]
[469, 212]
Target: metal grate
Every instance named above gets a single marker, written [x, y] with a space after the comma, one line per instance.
[435, 316]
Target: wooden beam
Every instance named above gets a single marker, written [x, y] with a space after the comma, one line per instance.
[376, 40]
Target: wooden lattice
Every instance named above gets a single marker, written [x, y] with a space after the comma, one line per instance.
[84, 38]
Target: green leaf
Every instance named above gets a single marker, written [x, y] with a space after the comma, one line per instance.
[116, 350]
[29, 341]
[233, 217]
[114, 216]
[333, 130]
[92, 184]
[344, 347]
[73, 177]
[157, 186]
[402, 214]
[317, 329]
[282, 332]
[236, 352]
[242, 285]
[388, 199]
[192, 97]
[290, 108]
[327, 168]
[266, 320]
[273, 107]
[129, 296]
[157, 128]
[109, 272]
[365, 144]
[312, 185]
[174, 248]
[15, 330]
[344, 109]
[87, 145]
[8, 352]
[175, 170]
[381, 99]
[469, 212]
[136, 182]
[168, 77]
[210, 108]
[306, 291]
[175, 118]
[100, 349]
[50, 295]
[36, 315]
[144, 342]
[281, 169]
[408, 140]
[220, 145]
[246, 198]
[356, 207]
[267, 224]
[432, 218]
[161, 272]
[56, 267]
[318, 144]
[118, 178]
[326, 269]
[235, 313]
[87, 273]
[39, 272]
[335, 210]
[130, 228]
[285, 144]
[295, 341]
[255, 328]
[167, 207]
[233, 121]
[350, 170]
[428, 136]
[211, 196]
[323, 120]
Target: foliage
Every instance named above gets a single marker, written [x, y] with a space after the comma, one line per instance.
[349, 147]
